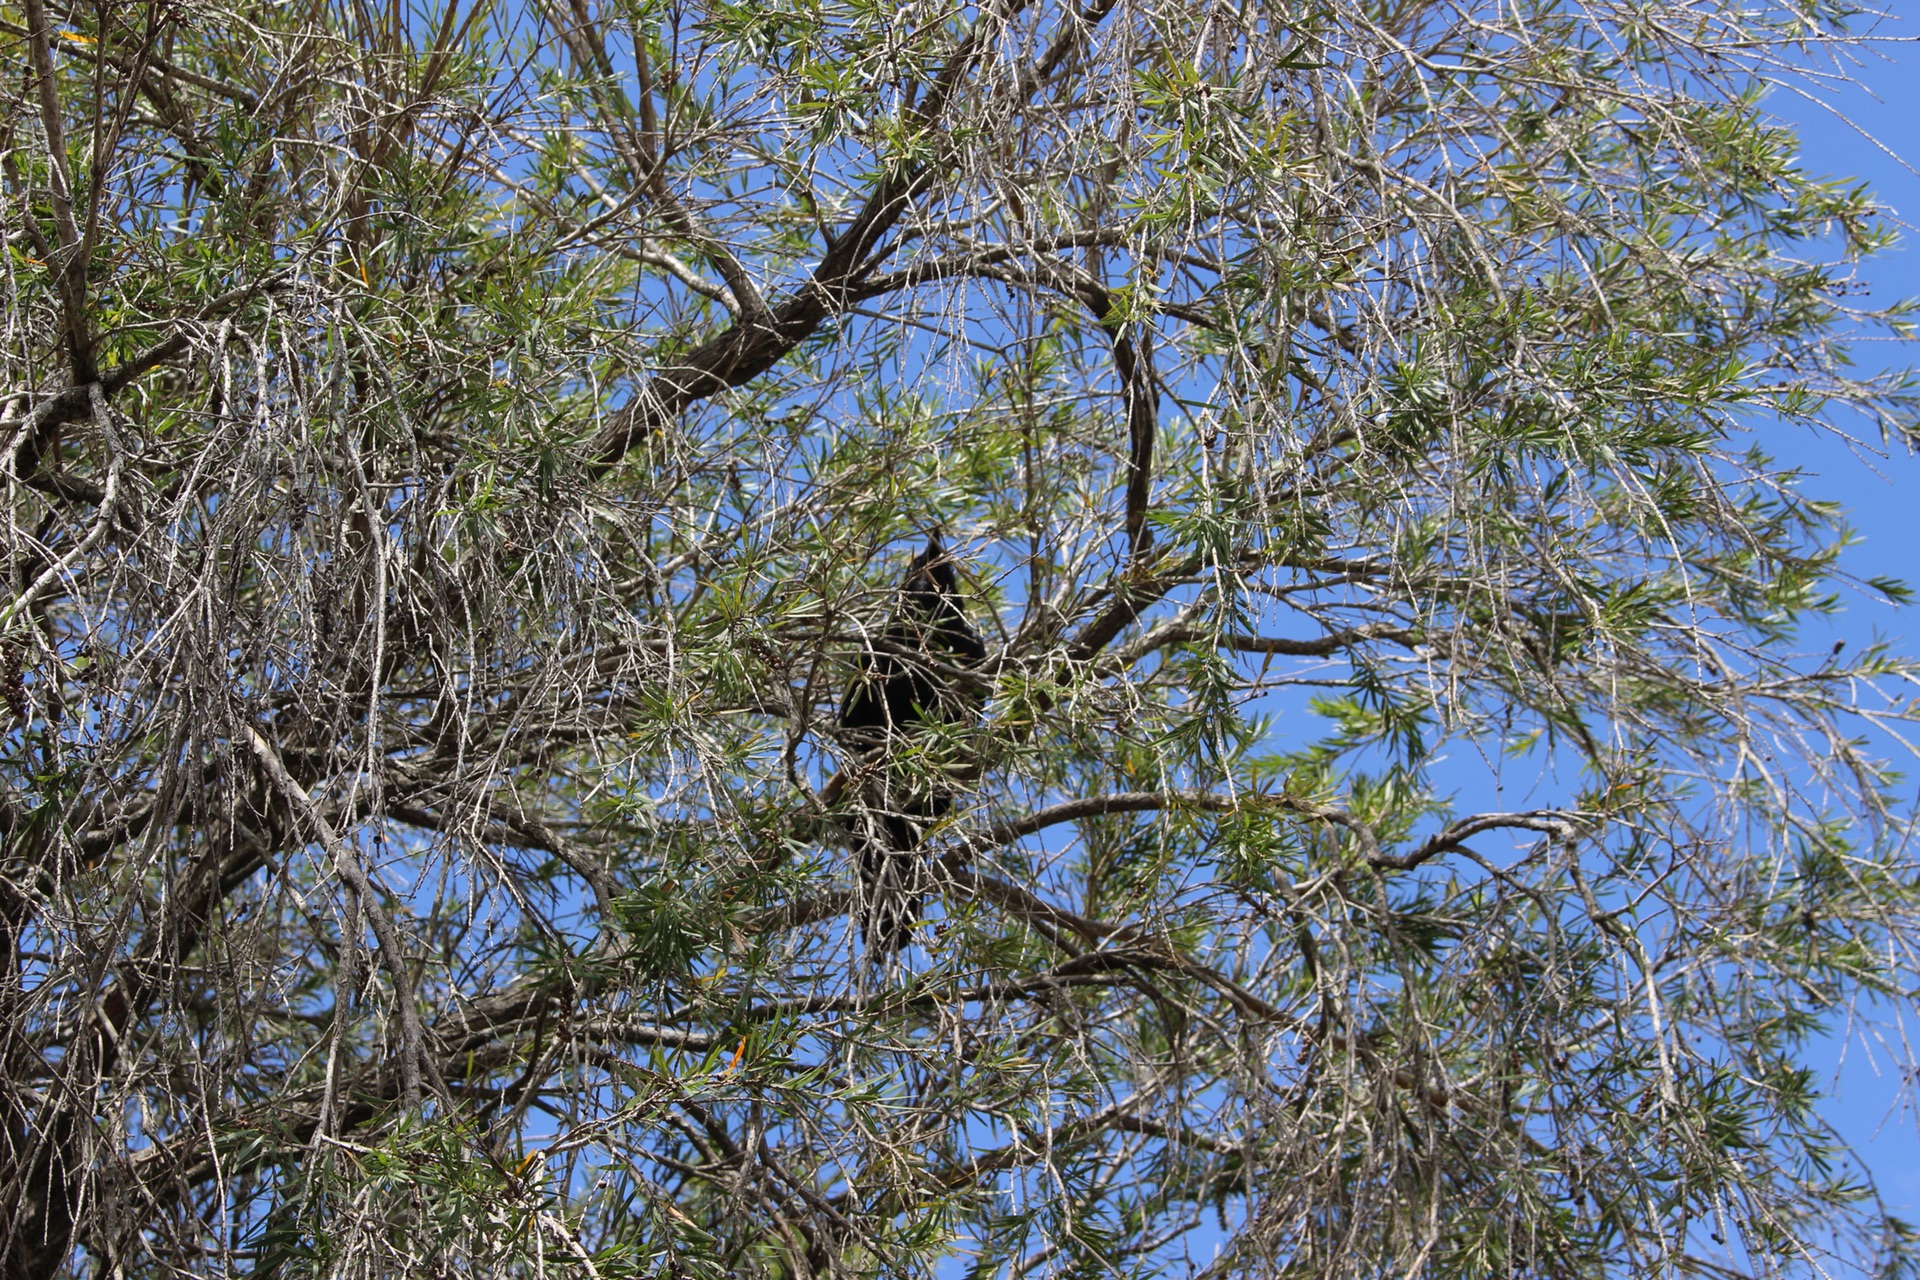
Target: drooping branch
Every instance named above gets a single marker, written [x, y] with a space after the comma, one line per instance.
[70, 269]
[347, 863]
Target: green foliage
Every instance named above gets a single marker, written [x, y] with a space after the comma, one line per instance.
[427, 843]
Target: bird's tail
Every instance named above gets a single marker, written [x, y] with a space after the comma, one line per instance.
[892, 880]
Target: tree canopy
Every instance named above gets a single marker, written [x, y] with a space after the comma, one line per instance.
[1407, 819]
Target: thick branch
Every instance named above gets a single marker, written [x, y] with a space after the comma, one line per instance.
[1280, 646]
[753, 345]
[1556, 822]
[1133, 360]
[24, 452]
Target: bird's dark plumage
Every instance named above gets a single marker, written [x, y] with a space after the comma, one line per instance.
[905, 681]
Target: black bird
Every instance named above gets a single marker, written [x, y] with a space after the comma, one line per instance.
[906, 680]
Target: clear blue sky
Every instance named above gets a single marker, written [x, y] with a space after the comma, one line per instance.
[1881, 122]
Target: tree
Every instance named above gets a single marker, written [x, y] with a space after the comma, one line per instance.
[456, 461]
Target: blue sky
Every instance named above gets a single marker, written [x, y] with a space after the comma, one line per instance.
[1858, 132]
